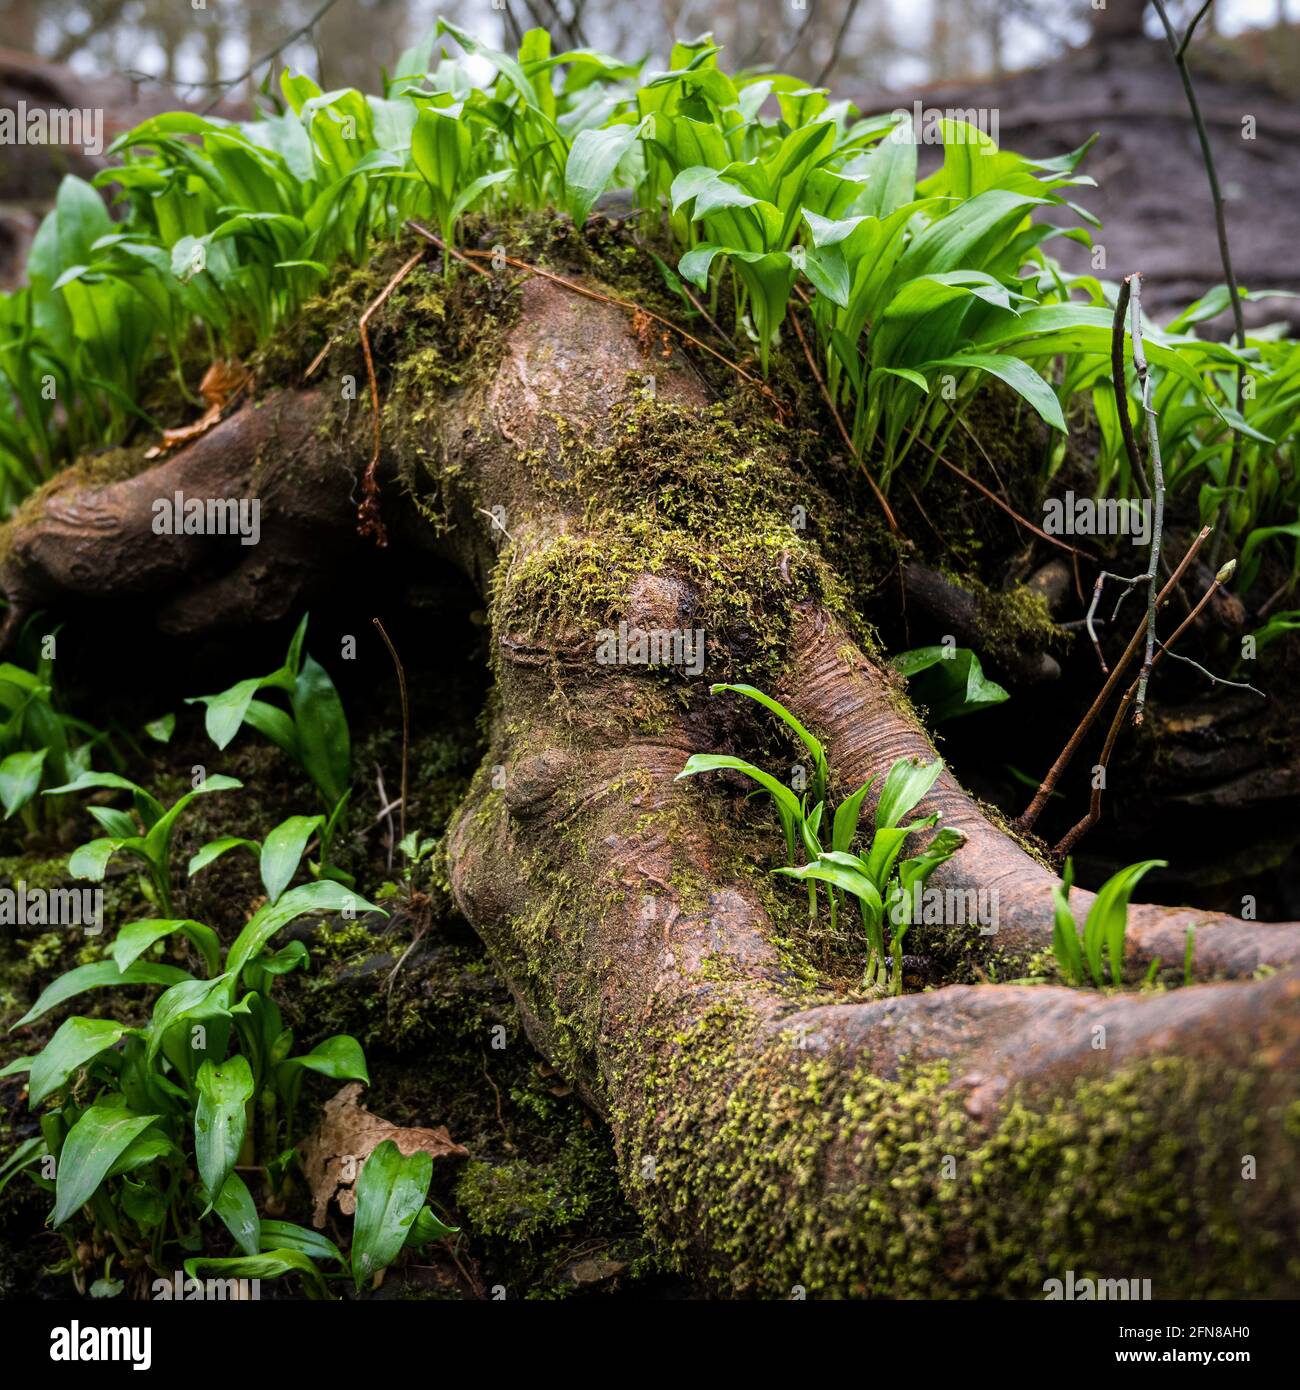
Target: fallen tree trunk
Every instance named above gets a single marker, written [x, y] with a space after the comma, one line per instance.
[775, 1134]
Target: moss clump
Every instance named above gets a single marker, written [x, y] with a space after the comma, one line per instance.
[792, 1170]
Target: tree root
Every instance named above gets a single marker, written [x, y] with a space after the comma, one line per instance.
[776, 1136]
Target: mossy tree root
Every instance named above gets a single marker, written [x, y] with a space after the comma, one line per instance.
[777, 1136]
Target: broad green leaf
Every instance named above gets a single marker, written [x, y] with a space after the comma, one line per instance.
[340, 1057]
[101, 974]
[284, 1235]
[77, 1041]
[270, 1264]
[1018, 375]
[390, 1191]
[593, 157]
[93, 1145]
[90, 861]
[1065, 935]
[219, 1119]
[282, 852]
[715, 762]
[234, 1205]
[214, 849]
[225, 712]
[427, 1228]
[1108, 919]
[815, 750]
[20, 776]
[322, 896]
[907, 783]
[322, 730]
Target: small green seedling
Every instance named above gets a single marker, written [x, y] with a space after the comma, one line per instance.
[1103, 931]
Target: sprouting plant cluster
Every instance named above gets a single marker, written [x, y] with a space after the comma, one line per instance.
[778, 200]
[882, 883]
[887, 886]
[153, 1132]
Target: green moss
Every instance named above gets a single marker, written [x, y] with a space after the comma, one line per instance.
[793, 1170]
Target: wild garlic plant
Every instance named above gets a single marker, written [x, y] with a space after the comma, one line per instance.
[883, 884]
[767, 194]
[312, 730]
[157, 1129]
[1104, 931]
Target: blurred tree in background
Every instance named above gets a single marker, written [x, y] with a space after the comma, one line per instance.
[872, 43]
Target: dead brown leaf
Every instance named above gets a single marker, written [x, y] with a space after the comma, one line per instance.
[346, 1136]
[222, 383]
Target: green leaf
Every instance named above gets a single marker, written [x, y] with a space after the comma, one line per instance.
[785, 799]
[77, 1041]
[1018, 375]
[339, 1057]
[390, 1190]
[949, 681]
[235, 1207]
[282, 852]
[145, 1148]
[220, 1119]
[284, 1235]
[162, 728]
[1065, 935]
[907, 783]
[322, 731]
[191, 999]
[93, 1145]
[225, 712]
[847, 815]
[427, 1228]
[136, 937]
[100, 974]
[214, 849]
[815, 750]
[20, 776]
[322, 896]
[827, 869]
[829, 273]
[1108, 919]
[271, 1264]
[593, 157]
[91, 859]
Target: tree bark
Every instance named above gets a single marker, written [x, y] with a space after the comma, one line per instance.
[776, 1134]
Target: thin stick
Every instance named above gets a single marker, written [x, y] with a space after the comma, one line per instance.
[1179, 49]
[406, 726]
[633, 308]
[1150, 574]
[1119, 377]
[996, 500]
[1158, 487]
[848, 439]
[447, 250]
[1133, 693]
[370, 523]
[1066, 755]
[267, 56]
[1209, 675]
